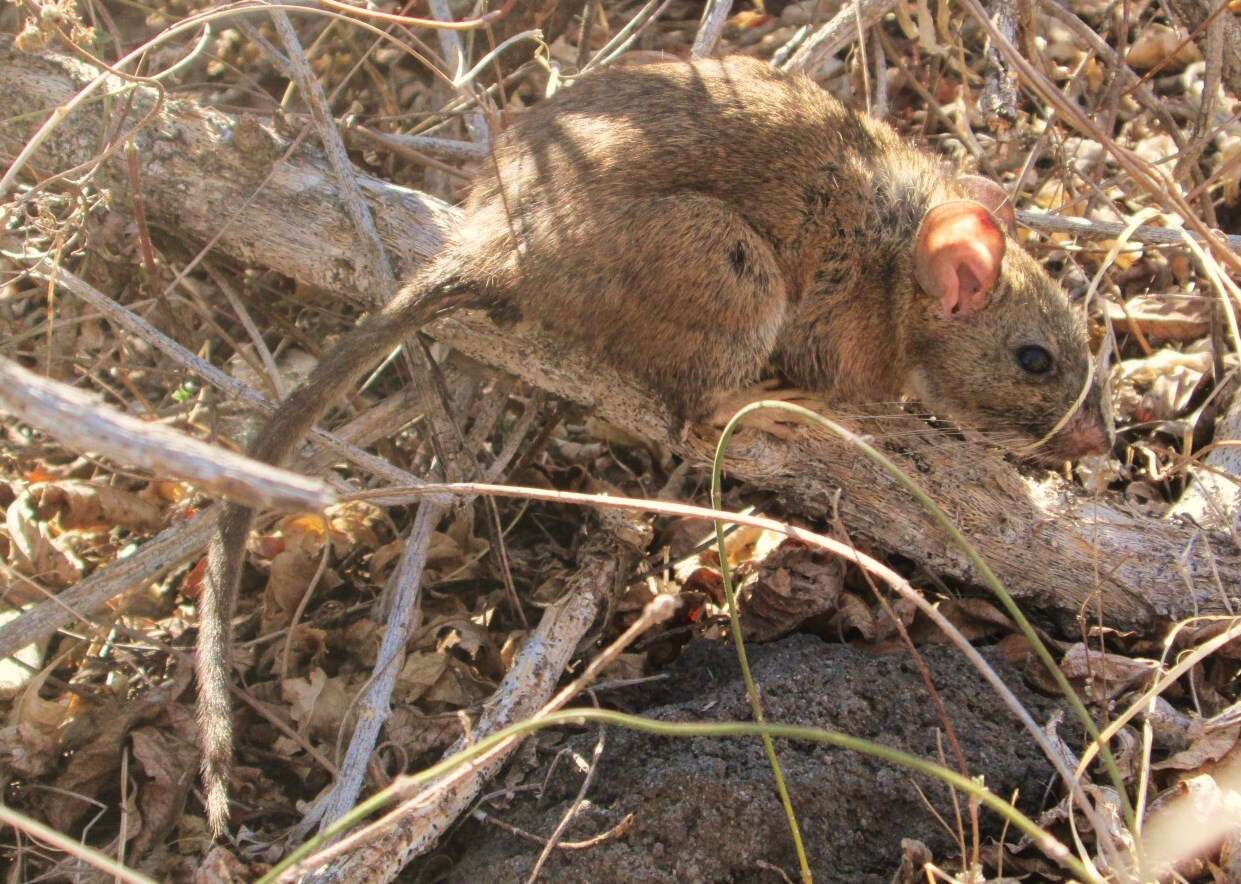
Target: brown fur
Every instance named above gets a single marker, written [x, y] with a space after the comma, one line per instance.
[691, 223]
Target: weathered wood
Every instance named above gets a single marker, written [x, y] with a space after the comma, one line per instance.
[83, 423]
[1056, 550]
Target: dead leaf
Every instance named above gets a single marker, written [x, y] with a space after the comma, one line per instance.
[96, 763]
[793, 583]
[1163, 317]
[291, 573]
[221, 867]
[168, 756]
[31, 744]
[87, 506]
[1108, 675]
[317, 703]
[975, 618]
[1156, 43]
[1158, 387]
[37, 553]
[853, 613]
[355, 524]
[418, 734]
[1208, 748]
[457, 688]
[421, 671]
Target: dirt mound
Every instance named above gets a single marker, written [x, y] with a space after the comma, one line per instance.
[705, 809]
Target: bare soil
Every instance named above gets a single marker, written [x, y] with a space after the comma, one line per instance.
[705, 809]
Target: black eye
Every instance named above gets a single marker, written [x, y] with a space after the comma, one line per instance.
[1034, 359]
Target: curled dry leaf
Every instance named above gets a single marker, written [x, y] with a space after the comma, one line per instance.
[1163, 317]
[1206, 750]
[854, 614]
[318, 703]
[421, 671]
[30, 744]
[85, 506]
[1108, 675]
[36, 552]
[793, 583]
[355, 524]
[1158, 387]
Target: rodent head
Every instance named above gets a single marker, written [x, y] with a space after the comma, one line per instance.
[990, 338]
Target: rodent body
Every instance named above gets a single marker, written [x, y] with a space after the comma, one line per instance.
[692, 224]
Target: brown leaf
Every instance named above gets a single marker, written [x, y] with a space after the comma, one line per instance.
[96, 763]
[1164, 317]
[221, 867]
[1206, 749]
[457, 687]
[317, 703]
[417, 734]
[169, 758]
[853, 613]
[89, 506]
[31, 744]
[291, 573]
[1109, 675]
[421, 671]
[792, 583]
[354, 524]
[36, 552]
[1156, 43]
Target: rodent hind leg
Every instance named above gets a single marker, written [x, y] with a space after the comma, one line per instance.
[697, 302]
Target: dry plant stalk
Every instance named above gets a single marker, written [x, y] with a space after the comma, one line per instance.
[1054, 549]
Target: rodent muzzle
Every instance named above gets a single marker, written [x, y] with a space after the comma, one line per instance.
[1086, 433]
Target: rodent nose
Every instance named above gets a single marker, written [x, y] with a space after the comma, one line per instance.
[1087, 433]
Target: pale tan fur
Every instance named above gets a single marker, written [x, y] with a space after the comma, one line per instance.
[694, 224]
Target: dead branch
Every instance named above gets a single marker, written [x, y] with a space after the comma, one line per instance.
[83, 423]
[998, 100]
[526, 687]
[714, 17]
[1054, 549]
[1045, 222]
[854, 18]
[160, 554]
[1193, 15]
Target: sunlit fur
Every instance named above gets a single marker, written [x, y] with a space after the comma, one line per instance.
[691, 224]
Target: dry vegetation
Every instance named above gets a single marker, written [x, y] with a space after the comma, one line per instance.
[184, 312]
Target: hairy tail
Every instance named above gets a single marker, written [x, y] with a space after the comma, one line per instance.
[434, 292]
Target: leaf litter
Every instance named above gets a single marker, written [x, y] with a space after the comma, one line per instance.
[111, 693]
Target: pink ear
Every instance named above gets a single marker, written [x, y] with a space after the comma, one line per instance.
[958, 254]
[991, 195]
